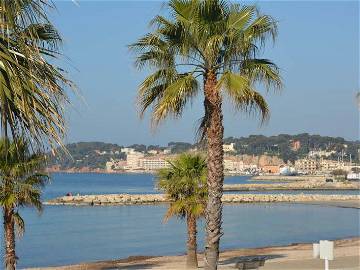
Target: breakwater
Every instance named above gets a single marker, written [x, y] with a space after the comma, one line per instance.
[298, 185]
[134, 199]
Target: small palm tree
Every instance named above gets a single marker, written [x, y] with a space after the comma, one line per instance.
[211, 46]
[185, 185]
[21, 179]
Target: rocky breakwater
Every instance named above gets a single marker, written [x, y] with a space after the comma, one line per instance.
[301, 185]
[134, 199]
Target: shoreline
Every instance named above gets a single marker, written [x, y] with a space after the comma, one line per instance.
[278, 257]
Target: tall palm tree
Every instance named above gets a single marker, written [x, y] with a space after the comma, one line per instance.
[21, 177]
[32, 88]
[185, 185]
[213, 46]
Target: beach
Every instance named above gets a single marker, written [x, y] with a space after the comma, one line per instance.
[292, 257]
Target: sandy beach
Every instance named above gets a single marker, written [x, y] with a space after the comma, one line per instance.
[293, 257]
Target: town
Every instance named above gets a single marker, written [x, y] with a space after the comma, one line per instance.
[316, 162]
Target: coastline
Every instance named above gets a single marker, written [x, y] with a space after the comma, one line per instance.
[283, 257]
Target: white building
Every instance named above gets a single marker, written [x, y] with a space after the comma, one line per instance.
[154, 163]
[229, 147]
[320, 153]
[133, 160]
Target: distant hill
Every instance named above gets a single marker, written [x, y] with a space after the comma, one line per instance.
[94, 155]
[87, 154]
[283, 146]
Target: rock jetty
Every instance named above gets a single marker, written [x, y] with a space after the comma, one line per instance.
[134, 199]
[298, 185]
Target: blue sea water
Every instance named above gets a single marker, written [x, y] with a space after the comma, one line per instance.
[68, 234]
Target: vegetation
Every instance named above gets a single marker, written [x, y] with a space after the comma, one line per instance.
[339, 173]
[32, 92]
[185, 184]
[212, 46]
[32, 101]
[91, 155]
[280, 146]
[21, 177]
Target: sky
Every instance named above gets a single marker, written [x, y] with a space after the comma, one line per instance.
[317, 50]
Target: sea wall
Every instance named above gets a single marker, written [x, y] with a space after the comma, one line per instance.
[132, 199]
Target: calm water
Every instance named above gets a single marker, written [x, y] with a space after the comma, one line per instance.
[64, 235]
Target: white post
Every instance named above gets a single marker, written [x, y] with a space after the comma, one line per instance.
[326, 264]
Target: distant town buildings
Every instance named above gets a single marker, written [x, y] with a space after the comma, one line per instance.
[229, 147]
[306, 165]
[133, 160]
[274, 169]
[153, 163]
[233, 163]
[320, 153]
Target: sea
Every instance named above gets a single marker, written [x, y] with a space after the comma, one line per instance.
[63, 235]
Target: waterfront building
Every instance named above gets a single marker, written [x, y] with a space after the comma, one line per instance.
[329, 165]
[133, 160]
[274, 169]
[307, 165]
[153, 163]
[233, 163]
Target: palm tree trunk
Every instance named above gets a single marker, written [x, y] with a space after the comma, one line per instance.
[191, 259]
[215, 177]
[9, 235]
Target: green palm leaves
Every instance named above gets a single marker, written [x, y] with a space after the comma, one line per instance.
[32, 88]
[185, 185]
[203, 36]
[21, 177]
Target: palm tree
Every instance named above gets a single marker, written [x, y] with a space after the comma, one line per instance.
[21, 177]
[185, 185]
[32, 88]
[213, 46]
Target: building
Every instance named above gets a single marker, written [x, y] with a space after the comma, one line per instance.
[329, 165]
[153, 152]
[133, 160]
[153, 163]
[320, 153]
[295, 145]
[229, 147]
[307, 165]
[275, 169]
[234, 164]
[167, 151]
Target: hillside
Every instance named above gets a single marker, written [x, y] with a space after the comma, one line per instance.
[94, 155]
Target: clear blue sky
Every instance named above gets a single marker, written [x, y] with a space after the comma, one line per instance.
[317, 51]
